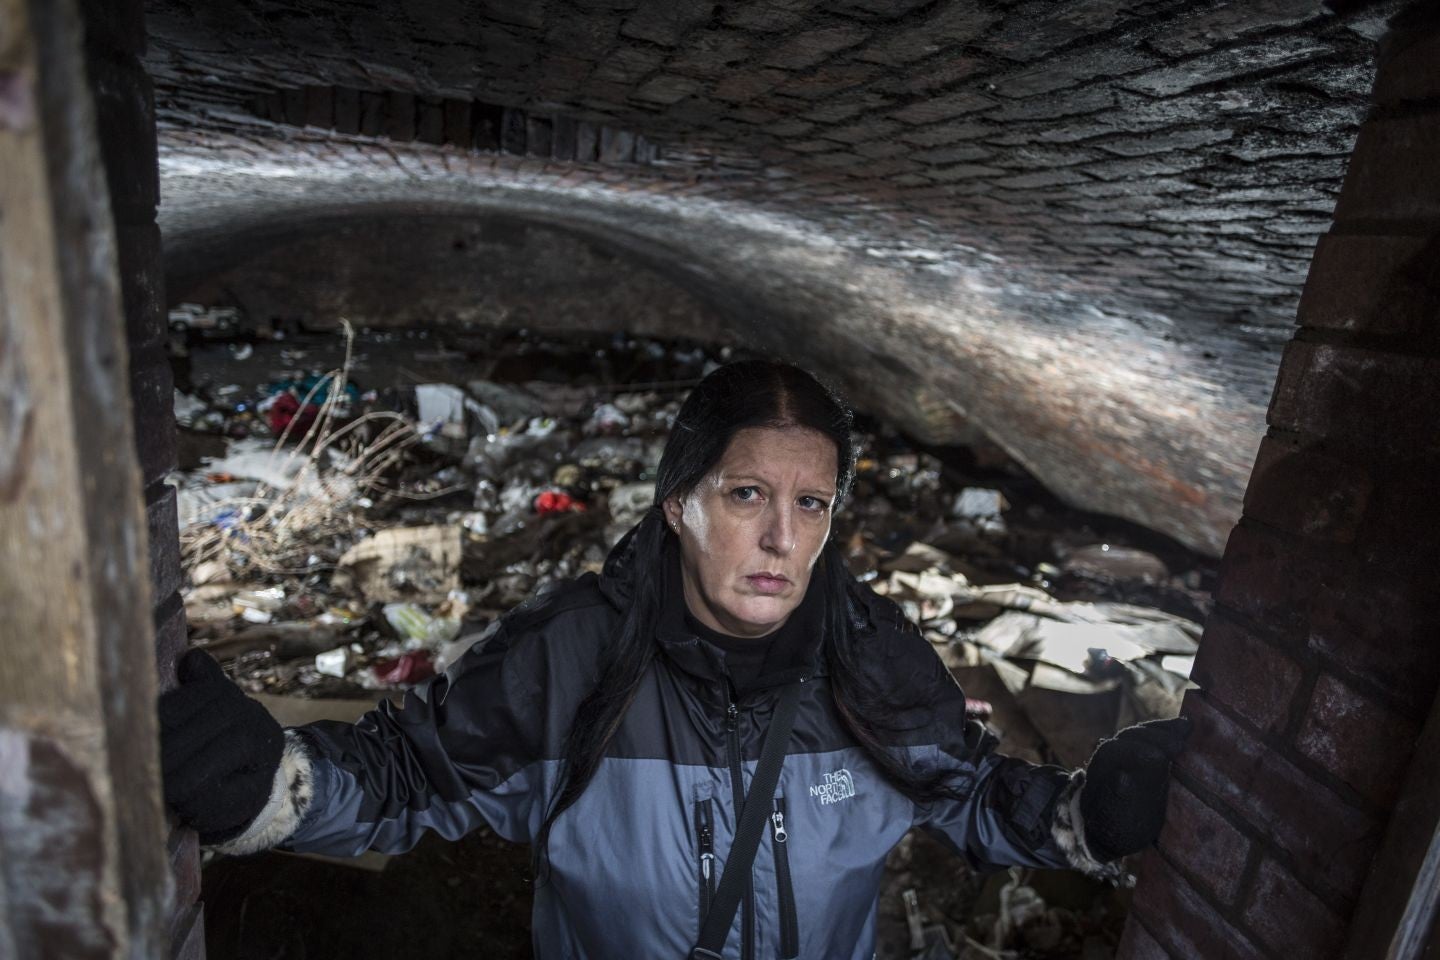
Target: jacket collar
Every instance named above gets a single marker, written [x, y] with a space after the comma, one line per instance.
[798, 655]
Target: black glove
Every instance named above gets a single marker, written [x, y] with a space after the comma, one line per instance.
[219, 750]
[1126, 784]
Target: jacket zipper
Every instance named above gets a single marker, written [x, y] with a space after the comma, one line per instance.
[705, 831]
[747, 912]
[789, 925]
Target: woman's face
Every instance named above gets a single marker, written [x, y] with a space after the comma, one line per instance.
[752, 528]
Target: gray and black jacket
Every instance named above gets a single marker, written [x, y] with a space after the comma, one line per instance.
[632, 864]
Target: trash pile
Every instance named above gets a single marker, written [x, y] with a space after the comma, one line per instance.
[340, 537]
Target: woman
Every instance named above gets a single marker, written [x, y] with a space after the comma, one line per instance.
[624, 723]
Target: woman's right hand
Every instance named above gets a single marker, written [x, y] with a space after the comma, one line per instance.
[219, 750]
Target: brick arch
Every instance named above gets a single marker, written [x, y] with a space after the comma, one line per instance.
[968, 342]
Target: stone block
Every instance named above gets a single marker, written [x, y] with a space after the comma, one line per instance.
[1371, 283]
[828, 81]
[1325, 836]
[1289, 919]
[1359, 399]
[1267, 577]
[1252, 677]
[876, 129]
[742, 86]
[1032, 30]
[1207, 845]
[347, 110]
[1068, 71]
[152, 403]
[666, 89]
[767, 18]
[1301, 490]
[142, 283]
[320, 107]
[538, 139]
[400, 116]
[172, 637]
[1228, 64]
[1391, 174]
[513, 137]
[1362, 742]
[666, 22]
[1183, 920]
[372, 114]
[1165, 142]
[1041, 178]
[458, 125]
[125, 115]
[933, 109]
[1231, 21]
[1379, 622]
[166, 572]
[815, 46]
[430, 120]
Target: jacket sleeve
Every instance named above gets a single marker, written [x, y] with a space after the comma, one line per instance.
[1004, 811]
[465, 749]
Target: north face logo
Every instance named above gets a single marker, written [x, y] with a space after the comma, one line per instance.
[837, 786]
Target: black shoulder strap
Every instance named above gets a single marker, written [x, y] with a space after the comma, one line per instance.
[756, 813]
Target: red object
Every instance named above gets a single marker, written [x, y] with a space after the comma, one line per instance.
[411, 667]
[286, 409]
[553, 502]
[979, 709]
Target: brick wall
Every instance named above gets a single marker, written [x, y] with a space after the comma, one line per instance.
[115, 42]
[1319, 666]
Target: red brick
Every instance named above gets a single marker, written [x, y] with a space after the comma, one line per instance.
[1323, 834]
[1205, 843]
[1380, 623]
[1400, 505]
[1289, 919]
[1137, 944]
[1371, 283]
[1183, 921]
[1391, 171]
[1362, 399]
[1250, 676]
[1266, 577]
[1300, 490]
[1362, 742]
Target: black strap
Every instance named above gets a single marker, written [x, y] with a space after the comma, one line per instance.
[756, 813]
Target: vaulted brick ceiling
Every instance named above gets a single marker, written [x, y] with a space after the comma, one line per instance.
[1081, 226]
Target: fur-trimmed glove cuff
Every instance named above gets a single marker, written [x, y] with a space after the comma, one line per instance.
[1126, 785]
[219, 750]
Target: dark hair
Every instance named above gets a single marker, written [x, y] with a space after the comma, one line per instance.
[732, 398]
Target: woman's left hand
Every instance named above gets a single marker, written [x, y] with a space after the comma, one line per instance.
[1122, 803]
